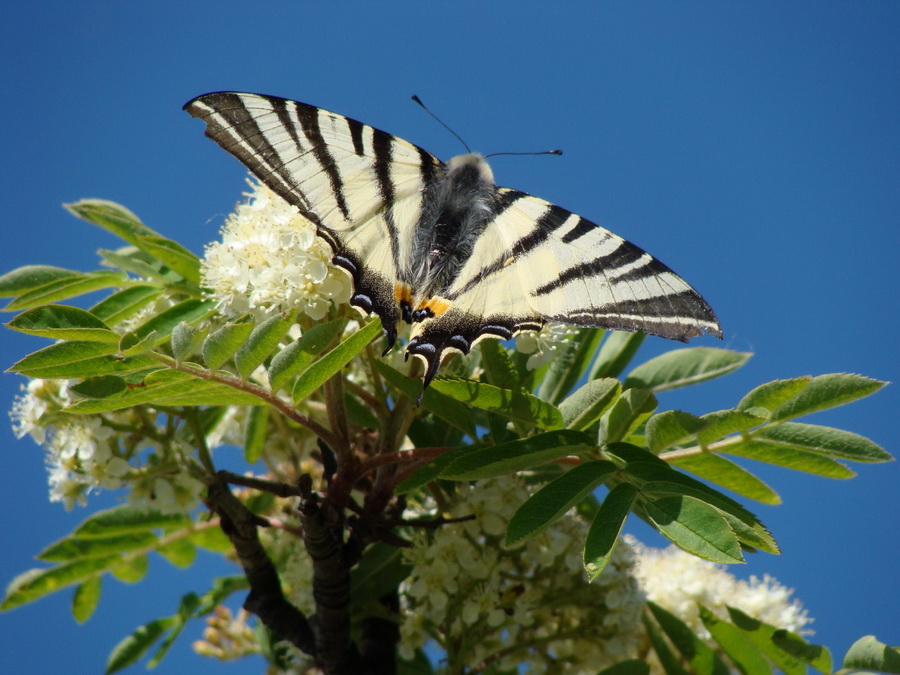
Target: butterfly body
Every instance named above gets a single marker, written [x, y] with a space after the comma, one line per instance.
[439, 245]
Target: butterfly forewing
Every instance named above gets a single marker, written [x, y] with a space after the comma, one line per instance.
[362, 187]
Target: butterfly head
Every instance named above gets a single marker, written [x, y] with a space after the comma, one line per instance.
[470, 167]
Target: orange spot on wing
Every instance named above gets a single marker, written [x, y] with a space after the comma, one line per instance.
[437, 306]
[402, 294]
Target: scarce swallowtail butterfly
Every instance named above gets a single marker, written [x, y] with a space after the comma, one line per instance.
[439, 245]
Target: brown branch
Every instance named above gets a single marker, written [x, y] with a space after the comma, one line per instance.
[265, 599]
[337, 653]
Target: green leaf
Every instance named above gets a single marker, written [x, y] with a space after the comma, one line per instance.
[497, 460]
[698, 654]
[616, 353]
[663, 480]
[74, 547]
[498, 367]
[760, 635]
[111, 216]
[670, 427]
[157, 329]
[322, 370]
[773, 394]
[133, 647]
[629, 453]
[66, 287]
[572, 359]
[132, 569]
[169, 388]
[626, 414]
[721, 471]
[124, 224]
[379, 572]
[255, 433]
[670, 663]
[627, 667]
[823, 440]
[724, 422]
[453, 412]
[86, 597]
[360, 413]
[185, 340]
[586, 405]
[212, 539]
[221, 589]
[815, 656]
[299, 354]
[28, 278]
[682, 367]
[826, 391]
[37, 583]
[868, 653]
[172, 254]
[741, 651]
[132, 259]
[789, 458]
[179, 552]
[179, 621]
[695, 526]
[221, 344]
[124, 304]
[510, 403]
[126, 519]
[71, 360]
[432, 469]
[606, 528]
[553, 500]
[62, 322]
[136, 347]
[100, 387]
[262, 341]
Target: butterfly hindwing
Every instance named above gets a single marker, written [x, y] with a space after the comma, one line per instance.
[536, 262]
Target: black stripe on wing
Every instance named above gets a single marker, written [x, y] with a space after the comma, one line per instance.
[231, 124]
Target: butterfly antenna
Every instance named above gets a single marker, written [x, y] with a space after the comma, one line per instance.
[441, 122]
[542, 152]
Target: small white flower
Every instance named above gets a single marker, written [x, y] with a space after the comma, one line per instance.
[27, 410]
[270, 260]
[543, 345]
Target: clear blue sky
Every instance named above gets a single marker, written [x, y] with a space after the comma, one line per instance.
[753, 148]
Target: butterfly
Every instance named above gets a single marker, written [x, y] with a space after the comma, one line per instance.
[438, 244]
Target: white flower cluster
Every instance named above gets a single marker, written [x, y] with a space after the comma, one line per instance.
[543, 345]
[270, 260]
[679, 582]
[529, 606]
[88, 452]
